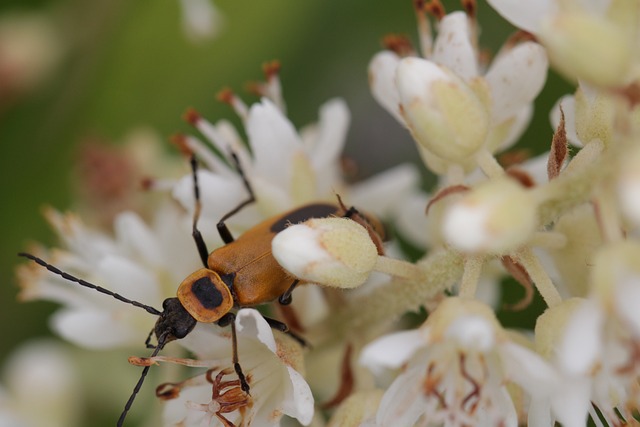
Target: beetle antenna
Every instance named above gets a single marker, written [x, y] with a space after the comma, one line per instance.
[86, 284]
[161, 342]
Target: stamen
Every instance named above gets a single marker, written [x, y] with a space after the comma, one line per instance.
[400, 44]
[229, 97]
[424, 28]
[436, 9]
[475, 392]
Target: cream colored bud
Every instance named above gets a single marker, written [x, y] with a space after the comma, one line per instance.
[495, 217]
[444, 114]
[335, 252]
[588, 47]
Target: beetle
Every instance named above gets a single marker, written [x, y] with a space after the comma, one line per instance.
[242, 273]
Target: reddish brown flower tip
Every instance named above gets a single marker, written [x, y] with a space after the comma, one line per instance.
[400, 44]
[191, 116]
[271, 68]
[226, 95]
[180, 141]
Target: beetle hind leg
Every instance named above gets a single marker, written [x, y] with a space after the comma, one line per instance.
[282, 327]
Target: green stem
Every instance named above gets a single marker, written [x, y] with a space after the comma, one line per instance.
[385, 303]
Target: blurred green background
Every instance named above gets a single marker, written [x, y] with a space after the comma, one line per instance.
[129, 64]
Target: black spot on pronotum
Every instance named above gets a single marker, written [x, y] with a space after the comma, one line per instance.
[316, 210]
[206, 293]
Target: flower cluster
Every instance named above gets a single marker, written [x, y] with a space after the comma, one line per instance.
[563, 225]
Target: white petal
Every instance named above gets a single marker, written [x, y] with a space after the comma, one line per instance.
[580, 347]
[539, 412]
[208, 342]
[516, 78]
[568, 103]
[251, 324]
[218, 194]
[128, 279]
[382, 79]
[519, 122]
[453, 47]
[527, 369]
[331, 134]
[298, 401]
[570, 402]
[402, 404]
[273, 141]
[93, 329]
[524, 14]
[391, 351]
[383, 193]
[412, 222]
[132, 232]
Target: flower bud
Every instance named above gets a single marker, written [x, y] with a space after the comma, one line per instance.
[334, 252]
[495, 217]
[589, 47]
[444, 114]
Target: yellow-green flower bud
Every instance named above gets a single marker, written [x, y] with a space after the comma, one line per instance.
[495, 217]
[335, 252]
[444, 114]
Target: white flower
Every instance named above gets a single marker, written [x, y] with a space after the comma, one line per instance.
[141, 262]
[41, 387]
[483, 109]
[286, 168]
[272, 366]
[594, 40]
[596, 349]
[455, 369]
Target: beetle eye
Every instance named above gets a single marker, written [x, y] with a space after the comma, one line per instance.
[205, 296]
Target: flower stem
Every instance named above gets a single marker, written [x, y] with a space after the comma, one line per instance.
[472, 269]
[399, 268]
[387, 302]
[539, 276]
[489, 164]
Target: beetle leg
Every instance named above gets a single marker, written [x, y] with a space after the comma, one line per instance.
[224, 232]
[230, 319]
[147, 342]
[285, 298]
[197, 236]
[282, 327]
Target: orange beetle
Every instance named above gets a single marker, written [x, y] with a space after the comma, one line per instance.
[242, 273]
